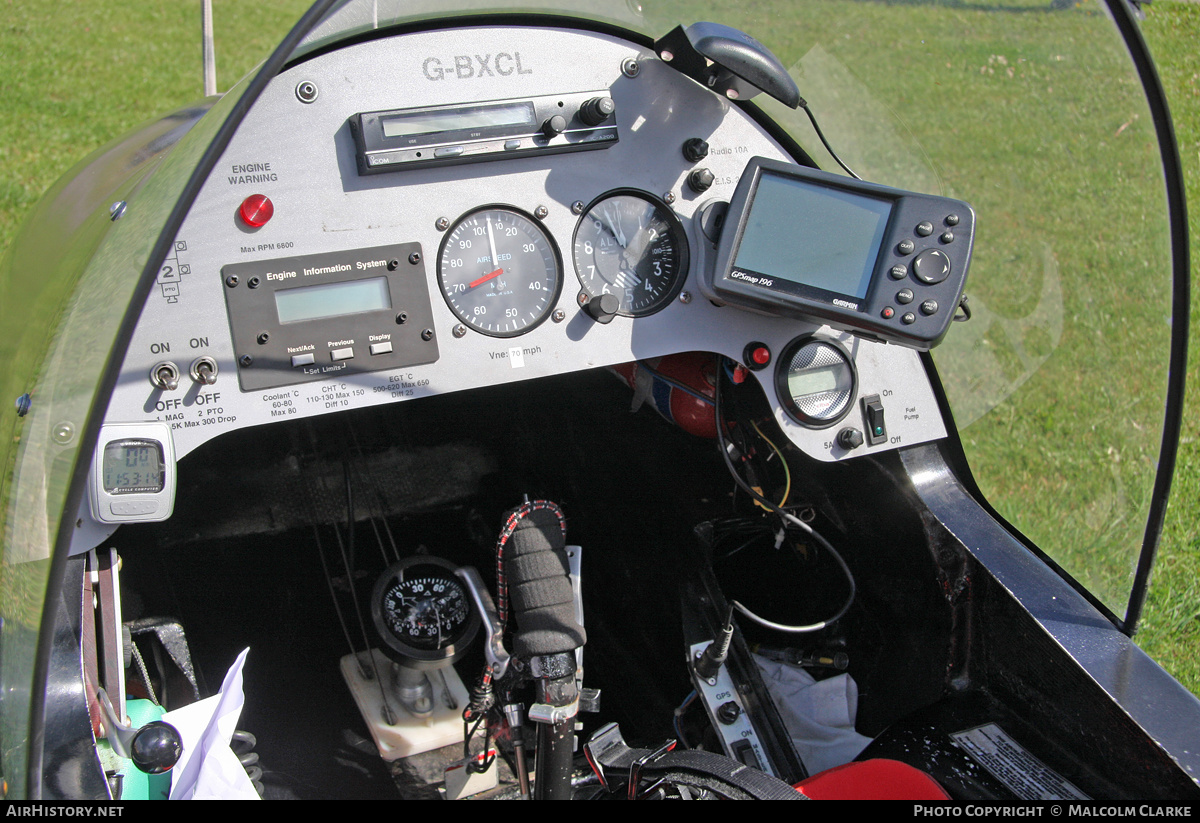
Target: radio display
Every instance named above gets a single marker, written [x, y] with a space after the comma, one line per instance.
[814, 236]
[408, 124]
[332, 299]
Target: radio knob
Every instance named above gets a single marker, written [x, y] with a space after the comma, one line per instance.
[554, 126]
[597, 110]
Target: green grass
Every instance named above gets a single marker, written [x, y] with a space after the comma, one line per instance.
[1047, 116]
[78, 74]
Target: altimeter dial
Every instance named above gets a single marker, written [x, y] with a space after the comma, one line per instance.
[631, 245]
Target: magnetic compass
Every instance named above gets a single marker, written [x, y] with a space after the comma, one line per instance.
[423, 612]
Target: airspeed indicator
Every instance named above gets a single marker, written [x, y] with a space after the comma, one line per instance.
[499, 271]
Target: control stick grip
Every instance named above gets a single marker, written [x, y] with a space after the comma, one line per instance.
[540, 588]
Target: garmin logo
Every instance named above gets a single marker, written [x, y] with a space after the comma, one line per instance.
[466, 66]
[845, 304]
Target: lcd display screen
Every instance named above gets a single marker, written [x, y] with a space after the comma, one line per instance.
[811, 381]
[815, 236]
[332, 299]
[133, 466]
[475, 117]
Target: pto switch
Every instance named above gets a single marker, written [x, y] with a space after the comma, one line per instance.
[876, 427]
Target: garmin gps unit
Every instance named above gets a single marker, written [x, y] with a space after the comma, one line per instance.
[872, 260]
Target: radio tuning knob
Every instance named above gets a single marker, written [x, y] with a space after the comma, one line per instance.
[597, 110]
[554, 126]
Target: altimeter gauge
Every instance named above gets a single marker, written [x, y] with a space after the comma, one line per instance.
[631, 245]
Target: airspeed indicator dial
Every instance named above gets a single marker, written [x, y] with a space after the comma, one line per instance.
[499, 271]
[630, 244]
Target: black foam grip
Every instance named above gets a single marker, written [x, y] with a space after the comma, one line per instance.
[540, 588]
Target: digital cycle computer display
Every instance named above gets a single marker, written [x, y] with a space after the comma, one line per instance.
[872, 260]
[132, 478]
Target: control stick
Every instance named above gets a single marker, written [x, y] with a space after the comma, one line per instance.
[547, 635]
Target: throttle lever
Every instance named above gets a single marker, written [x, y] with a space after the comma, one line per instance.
[154, 748]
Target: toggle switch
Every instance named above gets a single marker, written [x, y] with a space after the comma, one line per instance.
[873, 413]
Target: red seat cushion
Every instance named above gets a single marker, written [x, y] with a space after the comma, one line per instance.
[872, 780]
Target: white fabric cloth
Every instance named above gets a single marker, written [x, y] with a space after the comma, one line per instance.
[819, 714]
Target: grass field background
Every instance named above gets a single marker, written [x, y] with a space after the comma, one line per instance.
[77, 74]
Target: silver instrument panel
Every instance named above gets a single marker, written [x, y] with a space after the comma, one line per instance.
[300, 153]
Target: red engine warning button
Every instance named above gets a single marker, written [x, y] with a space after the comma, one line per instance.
[256, 210]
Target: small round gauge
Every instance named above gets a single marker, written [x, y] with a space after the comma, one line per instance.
[631, 245]
[815, 380]
[499, 271]
[422, 610]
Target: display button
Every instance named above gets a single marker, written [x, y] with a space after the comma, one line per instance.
[381, 348]
[888, 313]
[924, 228]
[303, 359]
[342, 354]
[904, 296]
[448, 151]
[899, 271]
[908, 319]
[906, 247]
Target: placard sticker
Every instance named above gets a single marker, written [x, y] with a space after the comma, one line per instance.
[1007, 761]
